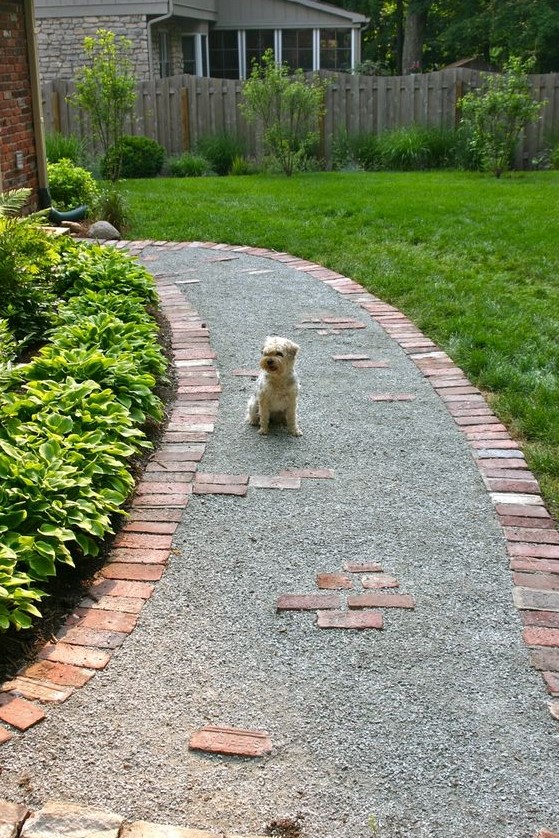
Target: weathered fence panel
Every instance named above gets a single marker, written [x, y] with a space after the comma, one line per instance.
[177, 111]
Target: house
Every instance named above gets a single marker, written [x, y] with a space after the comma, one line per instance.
[22, 155]
[218, 38]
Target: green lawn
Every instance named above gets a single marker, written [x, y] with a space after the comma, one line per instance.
[474, 261]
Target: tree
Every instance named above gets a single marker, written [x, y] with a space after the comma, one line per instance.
[497, 112]
[287, 106]
[106, 90]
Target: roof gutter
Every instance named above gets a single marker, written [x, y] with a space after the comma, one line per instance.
[168, 14]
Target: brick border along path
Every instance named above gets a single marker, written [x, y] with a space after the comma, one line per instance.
[108, 614]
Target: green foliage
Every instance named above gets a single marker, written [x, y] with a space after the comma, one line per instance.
[138, 157]
[404, 149]
[64, 147]
[288, 107]
[103, 269]
[554, 156]
[415, 148]
[106, 90]
[241, 166]
[220, 150]
[497, 112]
[112, 205]
[13, 201]
[27, 300]
[356, 151]
[71, 186]
[7, 344]
[189, 165]
[71, 420]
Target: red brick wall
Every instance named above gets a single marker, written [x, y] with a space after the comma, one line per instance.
[16, 117]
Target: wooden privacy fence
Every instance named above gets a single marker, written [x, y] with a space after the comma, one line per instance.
[177, 111]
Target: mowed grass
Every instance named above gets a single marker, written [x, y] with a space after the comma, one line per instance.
[472, 260]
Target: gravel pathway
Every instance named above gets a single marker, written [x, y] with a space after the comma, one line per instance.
[435, 727]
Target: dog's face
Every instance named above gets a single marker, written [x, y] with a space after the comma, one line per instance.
[278, 355]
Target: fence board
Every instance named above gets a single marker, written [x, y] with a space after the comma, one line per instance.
[178, 111]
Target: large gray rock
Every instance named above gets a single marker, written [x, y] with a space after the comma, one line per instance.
[71, 821]
[103, 230]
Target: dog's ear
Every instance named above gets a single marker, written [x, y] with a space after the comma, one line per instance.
[292, 348]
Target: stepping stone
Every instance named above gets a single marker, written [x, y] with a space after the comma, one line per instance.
[350, 620]
[71, 821]
[307, 602]
[12, 815]
[333, 581]
[231, 741]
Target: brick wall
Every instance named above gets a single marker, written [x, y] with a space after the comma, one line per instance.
[60, 42]
[17, 141]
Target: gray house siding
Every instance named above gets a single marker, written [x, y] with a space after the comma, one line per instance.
[278, 14]
[188, 40]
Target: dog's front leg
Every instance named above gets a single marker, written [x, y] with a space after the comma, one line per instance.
[291, 421]
[264, 413]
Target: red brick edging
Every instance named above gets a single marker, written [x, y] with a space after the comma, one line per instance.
[141, 550]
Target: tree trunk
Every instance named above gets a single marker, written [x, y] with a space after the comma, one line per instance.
[414, 36]
[399, 45]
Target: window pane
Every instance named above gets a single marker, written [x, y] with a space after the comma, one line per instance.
[257, 42]
[189, 55]
[335, 49]
[297, 48]
[224, 55]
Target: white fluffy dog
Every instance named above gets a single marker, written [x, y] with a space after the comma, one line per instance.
[277, 387]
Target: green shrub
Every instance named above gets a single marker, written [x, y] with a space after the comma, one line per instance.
[416, 147]
[287, 106]
[64, 147]
[554, 156]
[70, 421]
[220, 150]
[140, 157]
[241, 166]
[112, 206]
[365, 151]
[103, 269]
[71, 186]
[7, 344]
[497, 112]
[189, 165]
[27, 298]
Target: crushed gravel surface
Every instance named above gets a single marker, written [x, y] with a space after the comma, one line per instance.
[436, 727]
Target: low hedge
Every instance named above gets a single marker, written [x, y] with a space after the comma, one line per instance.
[71, 420]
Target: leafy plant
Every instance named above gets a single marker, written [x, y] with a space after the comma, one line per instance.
[189, 165]
[220, 150]
[64, 147]
[241, 166]
[138, 157]
[27, 300]
[85, 267]
[498, 111]
[112, 205]
[415, 148]
[287, 106]
[13, 201]
[71, 186]
[106, 90]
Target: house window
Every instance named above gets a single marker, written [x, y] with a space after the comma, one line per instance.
[224, 54]
[189, 54]
[297, 48]
[257, 42]
[164, 55]
[335, 49]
